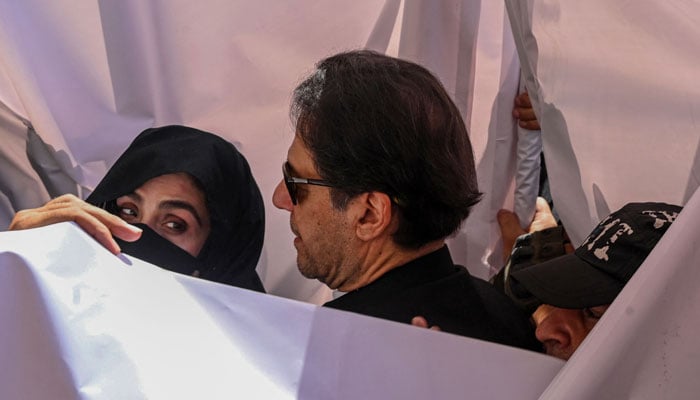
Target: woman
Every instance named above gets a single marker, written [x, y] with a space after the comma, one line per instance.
[192, 195]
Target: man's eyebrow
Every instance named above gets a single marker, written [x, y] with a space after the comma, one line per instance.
[295, 172]
[170, 204]
[292, 170]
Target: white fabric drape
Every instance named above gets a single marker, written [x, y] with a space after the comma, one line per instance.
[615, 87]
[89, 323]
[80, 323]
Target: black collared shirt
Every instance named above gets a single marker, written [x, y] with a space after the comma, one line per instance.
[446, 295]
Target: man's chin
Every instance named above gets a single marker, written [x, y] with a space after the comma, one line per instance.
[303, 266]
[306, 273]
[307, 269]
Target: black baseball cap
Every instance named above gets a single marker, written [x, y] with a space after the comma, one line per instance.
[595, 273]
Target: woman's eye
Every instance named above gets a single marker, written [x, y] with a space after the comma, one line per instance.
[176, 226]
[127, 213]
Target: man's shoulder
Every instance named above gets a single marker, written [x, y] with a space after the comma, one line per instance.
[430, 284]
[415, 277]
[446, 295]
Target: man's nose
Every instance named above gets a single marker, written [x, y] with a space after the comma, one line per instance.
[281, 199]
[553, 326]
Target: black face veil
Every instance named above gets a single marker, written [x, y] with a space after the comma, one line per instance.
[235, 205]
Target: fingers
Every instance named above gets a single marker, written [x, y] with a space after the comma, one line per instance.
[530, 125]
[419, 322]
[523, 100]
[510, 230]
[543, 218]
[541, 204]
[117, 226]
[524, 113]
[508, 222]
[423, 323]
[526, 118]
[97, 222]
[102, 226]
[99, 231]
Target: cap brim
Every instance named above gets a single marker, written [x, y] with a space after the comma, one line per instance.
[568, 282]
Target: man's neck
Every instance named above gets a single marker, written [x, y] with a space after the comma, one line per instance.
[380, 258]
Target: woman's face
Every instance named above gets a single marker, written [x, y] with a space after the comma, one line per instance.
[173, 206]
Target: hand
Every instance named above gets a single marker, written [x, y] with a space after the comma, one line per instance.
[510, 226]
[423, 323]
[543, 218]
[510, 230]
[97, 222]
[524, 113]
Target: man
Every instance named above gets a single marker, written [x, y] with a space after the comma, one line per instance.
[380, 172]
[577, 288]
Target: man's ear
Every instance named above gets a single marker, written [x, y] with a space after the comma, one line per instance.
[376, 215]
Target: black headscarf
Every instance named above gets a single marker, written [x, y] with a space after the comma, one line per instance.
[235, 205]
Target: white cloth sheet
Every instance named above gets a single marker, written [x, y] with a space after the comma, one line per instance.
[81, 323]
[615, 87]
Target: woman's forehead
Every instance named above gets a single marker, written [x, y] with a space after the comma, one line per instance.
[179, 184]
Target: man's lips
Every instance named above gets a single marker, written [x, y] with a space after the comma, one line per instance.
[294, 229]
[297, 238]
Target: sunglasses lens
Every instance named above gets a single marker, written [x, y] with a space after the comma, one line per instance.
[292, 189]
[291, 186]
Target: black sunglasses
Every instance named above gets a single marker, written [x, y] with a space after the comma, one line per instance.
[291, 182]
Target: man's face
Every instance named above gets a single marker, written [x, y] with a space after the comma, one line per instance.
[324, 236]
[562, 330]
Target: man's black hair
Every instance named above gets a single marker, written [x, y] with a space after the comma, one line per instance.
[378, 123]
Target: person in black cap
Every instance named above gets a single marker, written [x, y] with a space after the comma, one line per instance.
[194, 203]
[574, 290]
